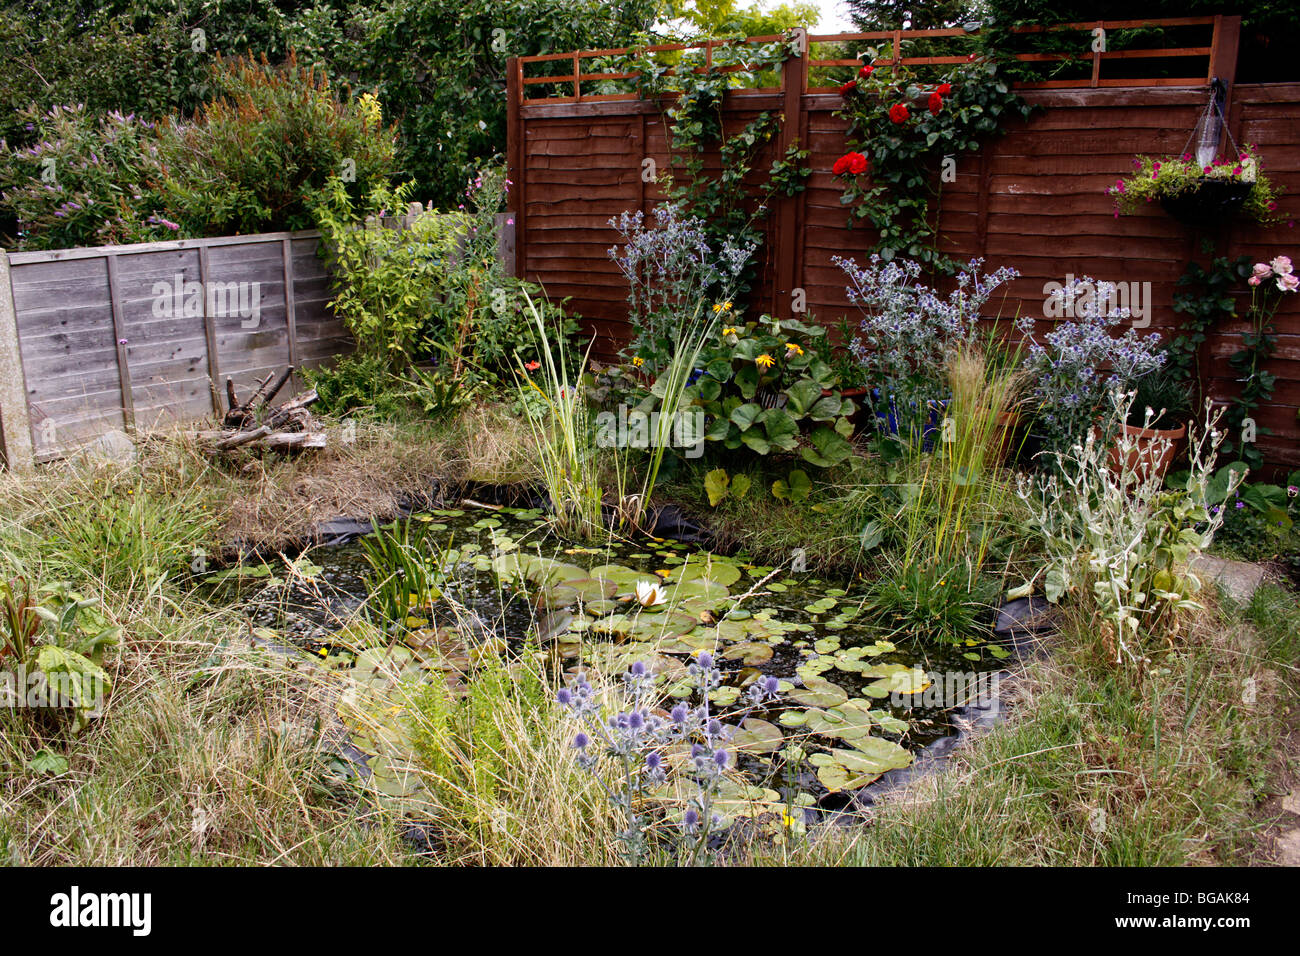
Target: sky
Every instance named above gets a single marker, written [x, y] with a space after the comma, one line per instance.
[835, 17]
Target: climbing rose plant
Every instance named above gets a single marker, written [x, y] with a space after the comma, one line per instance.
[904, 129]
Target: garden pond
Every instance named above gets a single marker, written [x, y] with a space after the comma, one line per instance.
[855, 702]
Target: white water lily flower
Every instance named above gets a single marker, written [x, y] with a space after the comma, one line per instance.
[650, 593]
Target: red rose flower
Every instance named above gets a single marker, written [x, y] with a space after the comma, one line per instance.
[865, 71]
[935, 104]
[898, 113]
[853, 164]
[944, 89]
[848, 87]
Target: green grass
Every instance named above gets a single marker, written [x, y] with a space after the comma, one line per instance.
[214, 752]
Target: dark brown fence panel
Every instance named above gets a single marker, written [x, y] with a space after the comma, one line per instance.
[1034, 199]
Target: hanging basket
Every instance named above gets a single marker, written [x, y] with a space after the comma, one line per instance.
[1210, 203]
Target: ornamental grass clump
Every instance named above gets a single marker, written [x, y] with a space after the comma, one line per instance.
[1118, 540]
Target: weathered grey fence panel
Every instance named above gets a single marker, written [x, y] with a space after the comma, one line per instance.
[142, 336]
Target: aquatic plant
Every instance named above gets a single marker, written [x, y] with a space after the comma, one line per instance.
[405, 571]
[555, 405]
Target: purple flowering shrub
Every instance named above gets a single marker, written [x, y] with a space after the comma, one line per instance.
[672, 268]
[83, 182]
[909, 329]
[634, 740]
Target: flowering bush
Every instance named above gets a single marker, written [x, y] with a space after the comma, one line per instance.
[909, 329]
[83, 182]
[1270, 282]
[904, 144]
[635, 741]
[1080, 361]
[1119, 539]
[671, 268]
[1156, 179]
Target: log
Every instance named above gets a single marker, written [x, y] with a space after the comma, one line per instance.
[294, 440]
[242, 438]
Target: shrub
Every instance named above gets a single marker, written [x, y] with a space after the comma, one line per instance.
[84, 181]
[908, 331]
[1081, 363]
[670, 269]
[254, 158]
[1119, 540]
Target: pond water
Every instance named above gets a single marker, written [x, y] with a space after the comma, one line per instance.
[857, 700]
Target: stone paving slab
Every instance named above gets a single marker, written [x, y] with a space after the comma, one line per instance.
[1238, 578]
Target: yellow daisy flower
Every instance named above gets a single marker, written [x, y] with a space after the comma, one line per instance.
[638, 361]
[765, 361]
[792, 347]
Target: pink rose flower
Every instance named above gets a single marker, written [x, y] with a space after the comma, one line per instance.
[1282, 265]
[1288, 283]
[1263, 270]
[1253, 280]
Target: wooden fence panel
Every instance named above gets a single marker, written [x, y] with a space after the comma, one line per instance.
[1034, 199]
[141, 336]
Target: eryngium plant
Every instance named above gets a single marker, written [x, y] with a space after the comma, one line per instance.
[1121, 541]
[635, 740]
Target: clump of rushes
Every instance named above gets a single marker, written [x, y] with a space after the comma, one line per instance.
[951, 506]
[555, 405]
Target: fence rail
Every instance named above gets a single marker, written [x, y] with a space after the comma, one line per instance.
[1223, 35]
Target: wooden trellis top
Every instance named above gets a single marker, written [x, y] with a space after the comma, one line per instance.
[1219, 51]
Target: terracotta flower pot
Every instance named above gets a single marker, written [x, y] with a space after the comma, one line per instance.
[858, 418]
[1150, 455]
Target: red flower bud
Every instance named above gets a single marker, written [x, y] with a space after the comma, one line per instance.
[935, 104]
[848, 87]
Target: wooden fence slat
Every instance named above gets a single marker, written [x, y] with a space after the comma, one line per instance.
[120, 344]
[290, 305]
[210, 335]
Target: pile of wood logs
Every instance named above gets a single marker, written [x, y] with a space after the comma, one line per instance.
[252, 424]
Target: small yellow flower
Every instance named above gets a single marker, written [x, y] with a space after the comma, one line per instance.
[792, 347]
[638, 361]
[787, 821]
[663, 573]
[729, 330]
[721, 307]
[765, 361]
